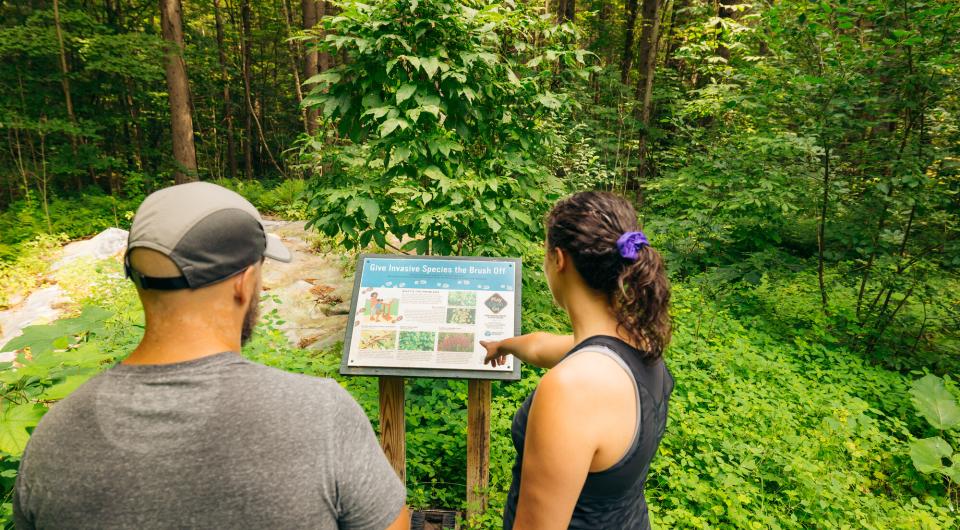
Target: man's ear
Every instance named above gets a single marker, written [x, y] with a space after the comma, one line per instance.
[245, 284]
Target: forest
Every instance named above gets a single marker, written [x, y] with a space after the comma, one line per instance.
[797, 163]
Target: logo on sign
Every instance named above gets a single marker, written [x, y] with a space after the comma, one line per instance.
[496, 303]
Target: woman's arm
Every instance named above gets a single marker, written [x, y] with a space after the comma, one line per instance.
[539, 349]
[561, 441]
[582, 420]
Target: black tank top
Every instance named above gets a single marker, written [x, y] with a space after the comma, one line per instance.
[612, 498]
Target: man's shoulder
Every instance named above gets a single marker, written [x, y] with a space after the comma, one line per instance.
[276, 379]
[267, 389]
[254, 379]
[66, 416]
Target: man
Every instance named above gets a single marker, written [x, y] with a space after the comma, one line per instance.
[186, 433]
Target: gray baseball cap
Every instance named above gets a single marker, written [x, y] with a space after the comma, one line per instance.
[208, 231]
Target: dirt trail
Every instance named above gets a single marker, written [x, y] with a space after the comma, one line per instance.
[313, 289]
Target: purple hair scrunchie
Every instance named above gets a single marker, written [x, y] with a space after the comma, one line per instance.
[630, 243]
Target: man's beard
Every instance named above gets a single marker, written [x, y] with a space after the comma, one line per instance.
[250, 320]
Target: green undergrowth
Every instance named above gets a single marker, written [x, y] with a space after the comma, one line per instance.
[74, 218]
[286, 199]
[18, 276]
[764, 431]
[26, 221]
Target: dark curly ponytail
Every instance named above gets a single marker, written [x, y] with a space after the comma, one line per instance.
[587, 226]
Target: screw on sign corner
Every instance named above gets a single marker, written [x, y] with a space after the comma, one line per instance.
[433, 520]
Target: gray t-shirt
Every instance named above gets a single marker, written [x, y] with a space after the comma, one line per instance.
[217, 442]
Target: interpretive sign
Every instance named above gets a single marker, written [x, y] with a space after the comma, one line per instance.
[425, 316]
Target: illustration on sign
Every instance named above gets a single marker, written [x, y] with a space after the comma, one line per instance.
[431, 313]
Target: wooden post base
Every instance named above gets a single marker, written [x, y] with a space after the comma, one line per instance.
[478, 445]
[393, 434]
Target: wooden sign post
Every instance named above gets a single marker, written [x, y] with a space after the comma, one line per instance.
[423, 316]
[393, 427]
[478, 445]
[393, 436]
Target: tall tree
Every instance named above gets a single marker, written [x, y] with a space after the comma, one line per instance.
[295, 53]
[726, 9]
[227, 103]
[178, 88]
[64, 79]
[626, 59]
[647, 60]
[647, 64]
[311, 58]
[246, 60]
[566, 10]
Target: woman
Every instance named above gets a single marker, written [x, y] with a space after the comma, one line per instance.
[586, 436]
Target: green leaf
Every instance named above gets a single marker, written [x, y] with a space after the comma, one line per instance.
[45, 338]
[441, 247]
[433, 172]
[426, 100]
[549, 100]
[928, 454]
[390, 125]
[399, 155]
[935, 403]
[430, 65]
[328, 77]
[64, 389]
[405, 92]
[378, 112]
[414, 61]
[371, 209]
[468, 93]
[521, 216]
[953, 472]
[14, 422]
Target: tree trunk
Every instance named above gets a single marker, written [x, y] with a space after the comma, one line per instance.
[821, 228]
[134, 113]
[566, 10]
[181, 122]
[311, 58]
[649, 40]
[908, 126]
[232, 166]
[65, 81]
[295, 53]
[626, 60]
[724, 10]
[678, 19]
[324, 9]
[245, 58]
